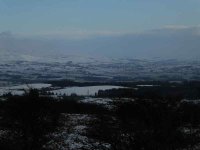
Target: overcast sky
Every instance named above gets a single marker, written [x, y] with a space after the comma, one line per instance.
[95, 16]
[129, 28]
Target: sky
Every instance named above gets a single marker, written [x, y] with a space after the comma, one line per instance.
[119, 28]
[83, 17]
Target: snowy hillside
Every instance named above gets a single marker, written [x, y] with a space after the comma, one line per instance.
[24, 68]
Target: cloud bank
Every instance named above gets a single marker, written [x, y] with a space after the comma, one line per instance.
[170, 42]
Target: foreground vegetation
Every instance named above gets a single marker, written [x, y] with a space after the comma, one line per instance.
[153, 118]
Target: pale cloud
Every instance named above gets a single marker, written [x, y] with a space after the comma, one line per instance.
[75, 34]
[176, 27]
[178, 42]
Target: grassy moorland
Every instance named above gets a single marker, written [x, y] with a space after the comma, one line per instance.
[163, 117]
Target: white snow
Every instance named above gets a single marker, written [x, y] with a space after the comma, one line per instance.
[147, 85]
[197, 101]
[19, 89]
[28, 86]
[84, 91]
[73, 135]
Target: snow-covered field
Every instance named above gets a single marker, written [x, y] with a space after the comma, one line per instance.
[81, 91]
[73, 135]
[24, 68]
[147, 85]
[19, 89]
[84, 91]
